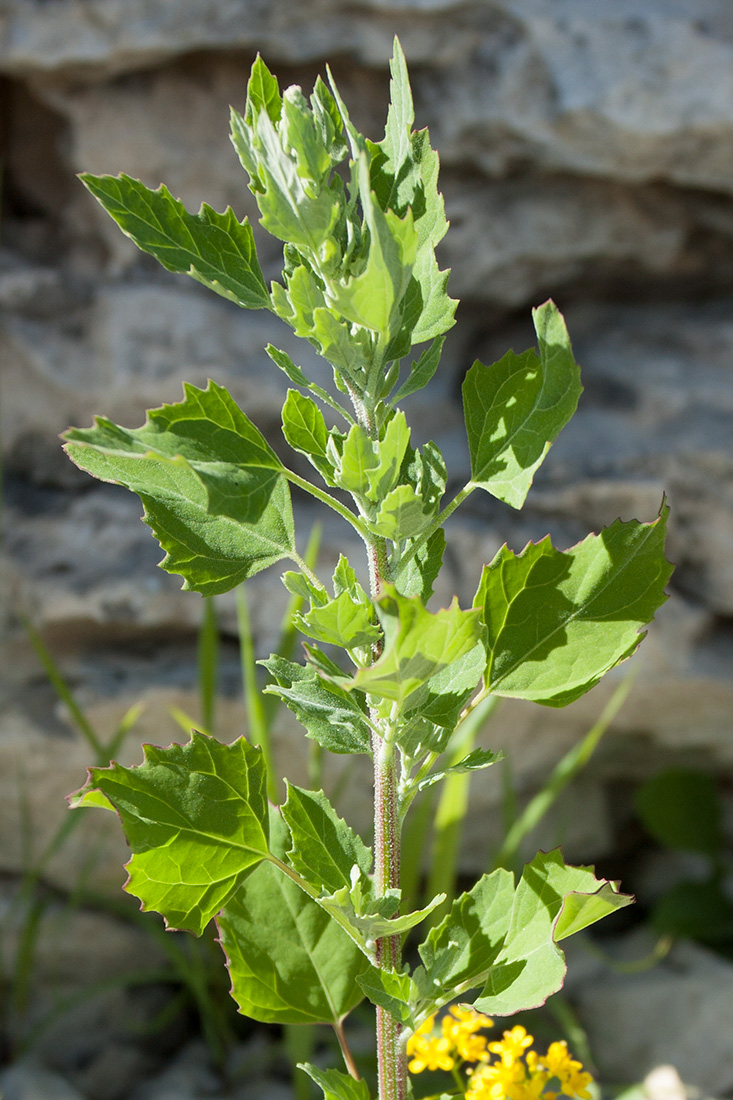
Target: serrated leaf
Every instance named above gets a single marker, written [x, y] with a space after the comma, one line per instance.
[288, 961]
[418, 575]
[468, 940]
[303, 137]
[530, 967]
[515, 409]
[345, 580]
[473, 761]
[421, 371]
[324, 848]
[336, 1085]
[331, 716]
[343, 622]
[418, 645]
[558, 620]
[215, 249]
[389, 990]
[195, 817]
[211, 486]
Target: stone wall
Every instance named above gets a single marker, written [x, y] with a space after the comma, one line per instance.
[587, 153]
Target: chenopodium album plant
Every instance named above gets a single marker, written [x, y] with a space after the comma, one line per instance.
[308, 915]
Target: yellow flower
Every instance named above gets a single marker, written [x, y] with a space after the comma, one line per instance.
[460, 1027]
[427, 1051]
[512, 1045]
[494, 1082]
[559, 1063]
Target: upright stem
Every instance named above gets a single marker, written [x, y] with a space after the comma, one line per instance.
[392, 1063]
[391, 1060]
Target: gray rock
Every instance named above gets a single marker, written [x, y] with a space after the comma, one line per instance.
[676, 1014]
[30, 1082]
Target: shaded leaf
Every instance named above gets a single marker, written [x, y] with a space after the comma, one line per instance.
[530, 967]
[324, 848]
[419, 573]
[421, 371]
[390, 991]
[288, 961]
[331, 716]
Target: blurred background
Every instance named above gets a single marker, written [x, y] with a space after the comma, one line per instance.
[587, 154]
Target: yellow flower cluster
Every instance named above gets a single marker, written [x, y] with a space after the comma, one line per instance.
[516, 1072]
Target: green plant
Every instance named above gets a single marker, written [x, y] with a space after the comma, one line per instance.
[308, 915]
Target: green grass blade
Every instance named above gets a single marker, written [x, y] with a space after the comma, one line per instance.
[62, 689]
[562, 774]
[208, 663]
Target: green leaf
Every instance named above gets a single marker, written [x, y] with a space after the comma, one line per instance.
[558, 620]
[396, 144]
[195, 817]
[263, 93]
[211, 486]
[324, 848]
[344, 622]
[305, 430]
[290, 209]
[421, 371]
[215, 249]
[418, 645]
[371, 468]
[391, 991]
[288, 961]
[504, 939]
[282, 360]
[473, 761]
[681, 809]
[449, 689]
[336, 1085]
[370, 297]
[345, 580]
[530, 967]
[371, 917]
[331, 716]
[466, 943]
[515, 409]
[401, 515]
[418, 575]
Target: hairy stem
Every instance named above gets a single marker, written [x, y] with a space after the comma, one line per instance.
[391, 1059]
